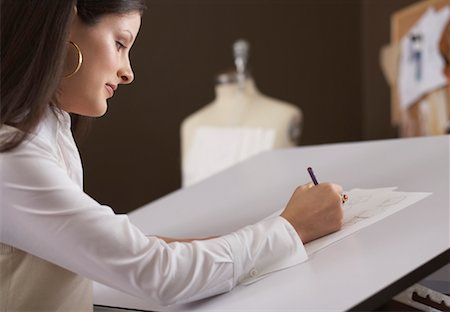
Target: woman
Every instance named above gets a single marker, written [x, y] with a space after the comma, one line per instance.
[69, 57]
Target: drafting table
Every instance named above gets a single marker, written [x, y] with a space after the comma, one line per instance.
[360, 272]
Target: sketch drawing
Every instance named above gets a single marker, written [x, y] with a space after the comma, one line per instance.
[365, 207]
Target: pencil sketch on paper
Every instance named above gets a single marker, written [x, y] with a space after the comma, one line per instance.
[365, 207]
[364, 204]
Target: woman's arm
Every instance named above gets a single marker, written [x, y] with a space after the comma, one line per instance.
[169, 240]
[45, 213]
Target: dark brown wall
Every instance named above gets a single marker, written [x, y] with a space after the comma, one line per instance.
[312, 53]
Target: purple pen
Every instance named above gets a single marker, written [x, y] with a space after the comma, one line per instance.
[313, 177]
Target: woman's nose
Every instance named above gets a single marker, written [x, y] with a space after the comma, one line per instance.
[126, 74]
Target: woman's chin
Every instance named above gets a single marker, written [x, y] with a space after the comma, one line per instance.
[97, 111]
[100, 113]
[87, 108]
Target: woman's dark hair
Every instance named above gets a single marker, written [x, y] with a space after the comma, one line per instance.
[33, 43]
[90, 11]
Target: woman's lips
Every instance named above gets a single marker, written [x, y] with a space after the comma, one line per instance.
[110, 90]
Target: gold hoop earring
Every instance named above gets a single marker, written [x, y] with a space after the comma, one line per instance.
[80, 60]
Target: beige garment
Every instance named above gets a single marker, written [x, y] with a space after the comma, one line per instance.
[429, 116]
[240, 118]
[29, 283]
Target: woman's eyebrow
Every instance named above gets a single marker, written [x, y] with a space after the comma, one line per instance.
[129, 33]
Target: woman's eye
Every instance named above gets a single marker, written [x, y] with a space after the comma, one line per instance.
[119, 45]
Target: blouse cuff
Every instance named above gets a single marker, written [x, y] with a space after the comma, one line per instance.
[268, 246]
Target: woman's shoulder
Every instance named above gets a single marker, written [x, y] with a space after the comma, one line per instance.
[32, 142]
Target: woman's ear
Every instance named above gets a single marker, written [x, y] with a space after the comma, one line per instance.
[75, 10]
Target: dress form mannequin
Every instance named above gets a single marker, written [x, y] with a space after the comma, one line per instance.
[239, 105]
[245, 107]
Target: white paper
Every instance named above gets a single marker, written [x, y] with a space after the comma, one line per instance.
[420, 75]
[217, 148]
[365, 207]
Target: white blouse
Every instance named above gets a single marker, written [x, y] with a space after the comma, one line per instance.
[44, 212]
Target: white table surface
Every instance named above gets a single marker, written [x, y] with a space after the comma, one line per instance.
[361, 267]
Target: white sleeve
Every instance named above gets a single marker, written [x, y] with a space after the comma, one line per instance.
[45, 213]
[265, 247]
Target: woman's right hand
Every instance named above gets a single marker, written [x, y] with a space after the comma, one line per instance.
[315, 210]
